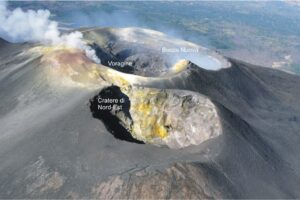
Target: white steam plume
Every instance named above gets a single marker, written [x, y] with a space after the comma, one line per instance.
[20, 26]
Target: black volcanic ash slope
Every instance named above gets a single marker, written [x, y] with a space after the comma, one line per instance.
[260, 110]
[51, 146]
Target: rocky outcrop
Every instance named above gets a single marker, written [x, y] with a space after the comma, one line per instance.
[51, 146]
[179, 181]
[156, 116]
[171, 118]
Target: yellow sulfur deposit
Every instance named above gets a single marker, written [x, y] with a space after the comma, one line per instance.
[70, 66]
[160, 131]
[156, 116]
[44, 50]
[73, 65]
[148, 120]
[180, 66]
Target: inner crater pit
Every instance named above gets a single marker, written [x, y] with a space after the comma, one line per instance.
[171, 118]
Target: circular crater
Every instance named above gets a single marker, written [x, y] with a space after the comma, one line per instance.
[175, 119]
[148, 53]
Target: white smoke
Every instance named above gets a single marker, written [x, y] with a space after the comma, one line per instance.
[35, 26]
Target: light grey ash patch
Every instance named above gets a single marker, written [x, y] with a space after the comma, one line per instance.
[178, 181]
[41, 179]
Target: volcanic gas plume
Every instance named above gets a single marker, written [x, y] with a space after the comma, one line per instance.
[175, 125]
[36, 26]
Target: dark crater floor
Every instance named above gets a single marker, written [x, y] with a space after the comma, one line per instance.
[137, 59]
[105, 111]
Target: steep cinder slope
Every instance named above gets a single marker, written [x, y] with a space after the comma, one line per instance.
[260, 113]
[52, 147]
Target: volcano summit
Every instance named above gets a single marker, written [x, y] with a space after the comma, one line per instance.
[179, 124]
